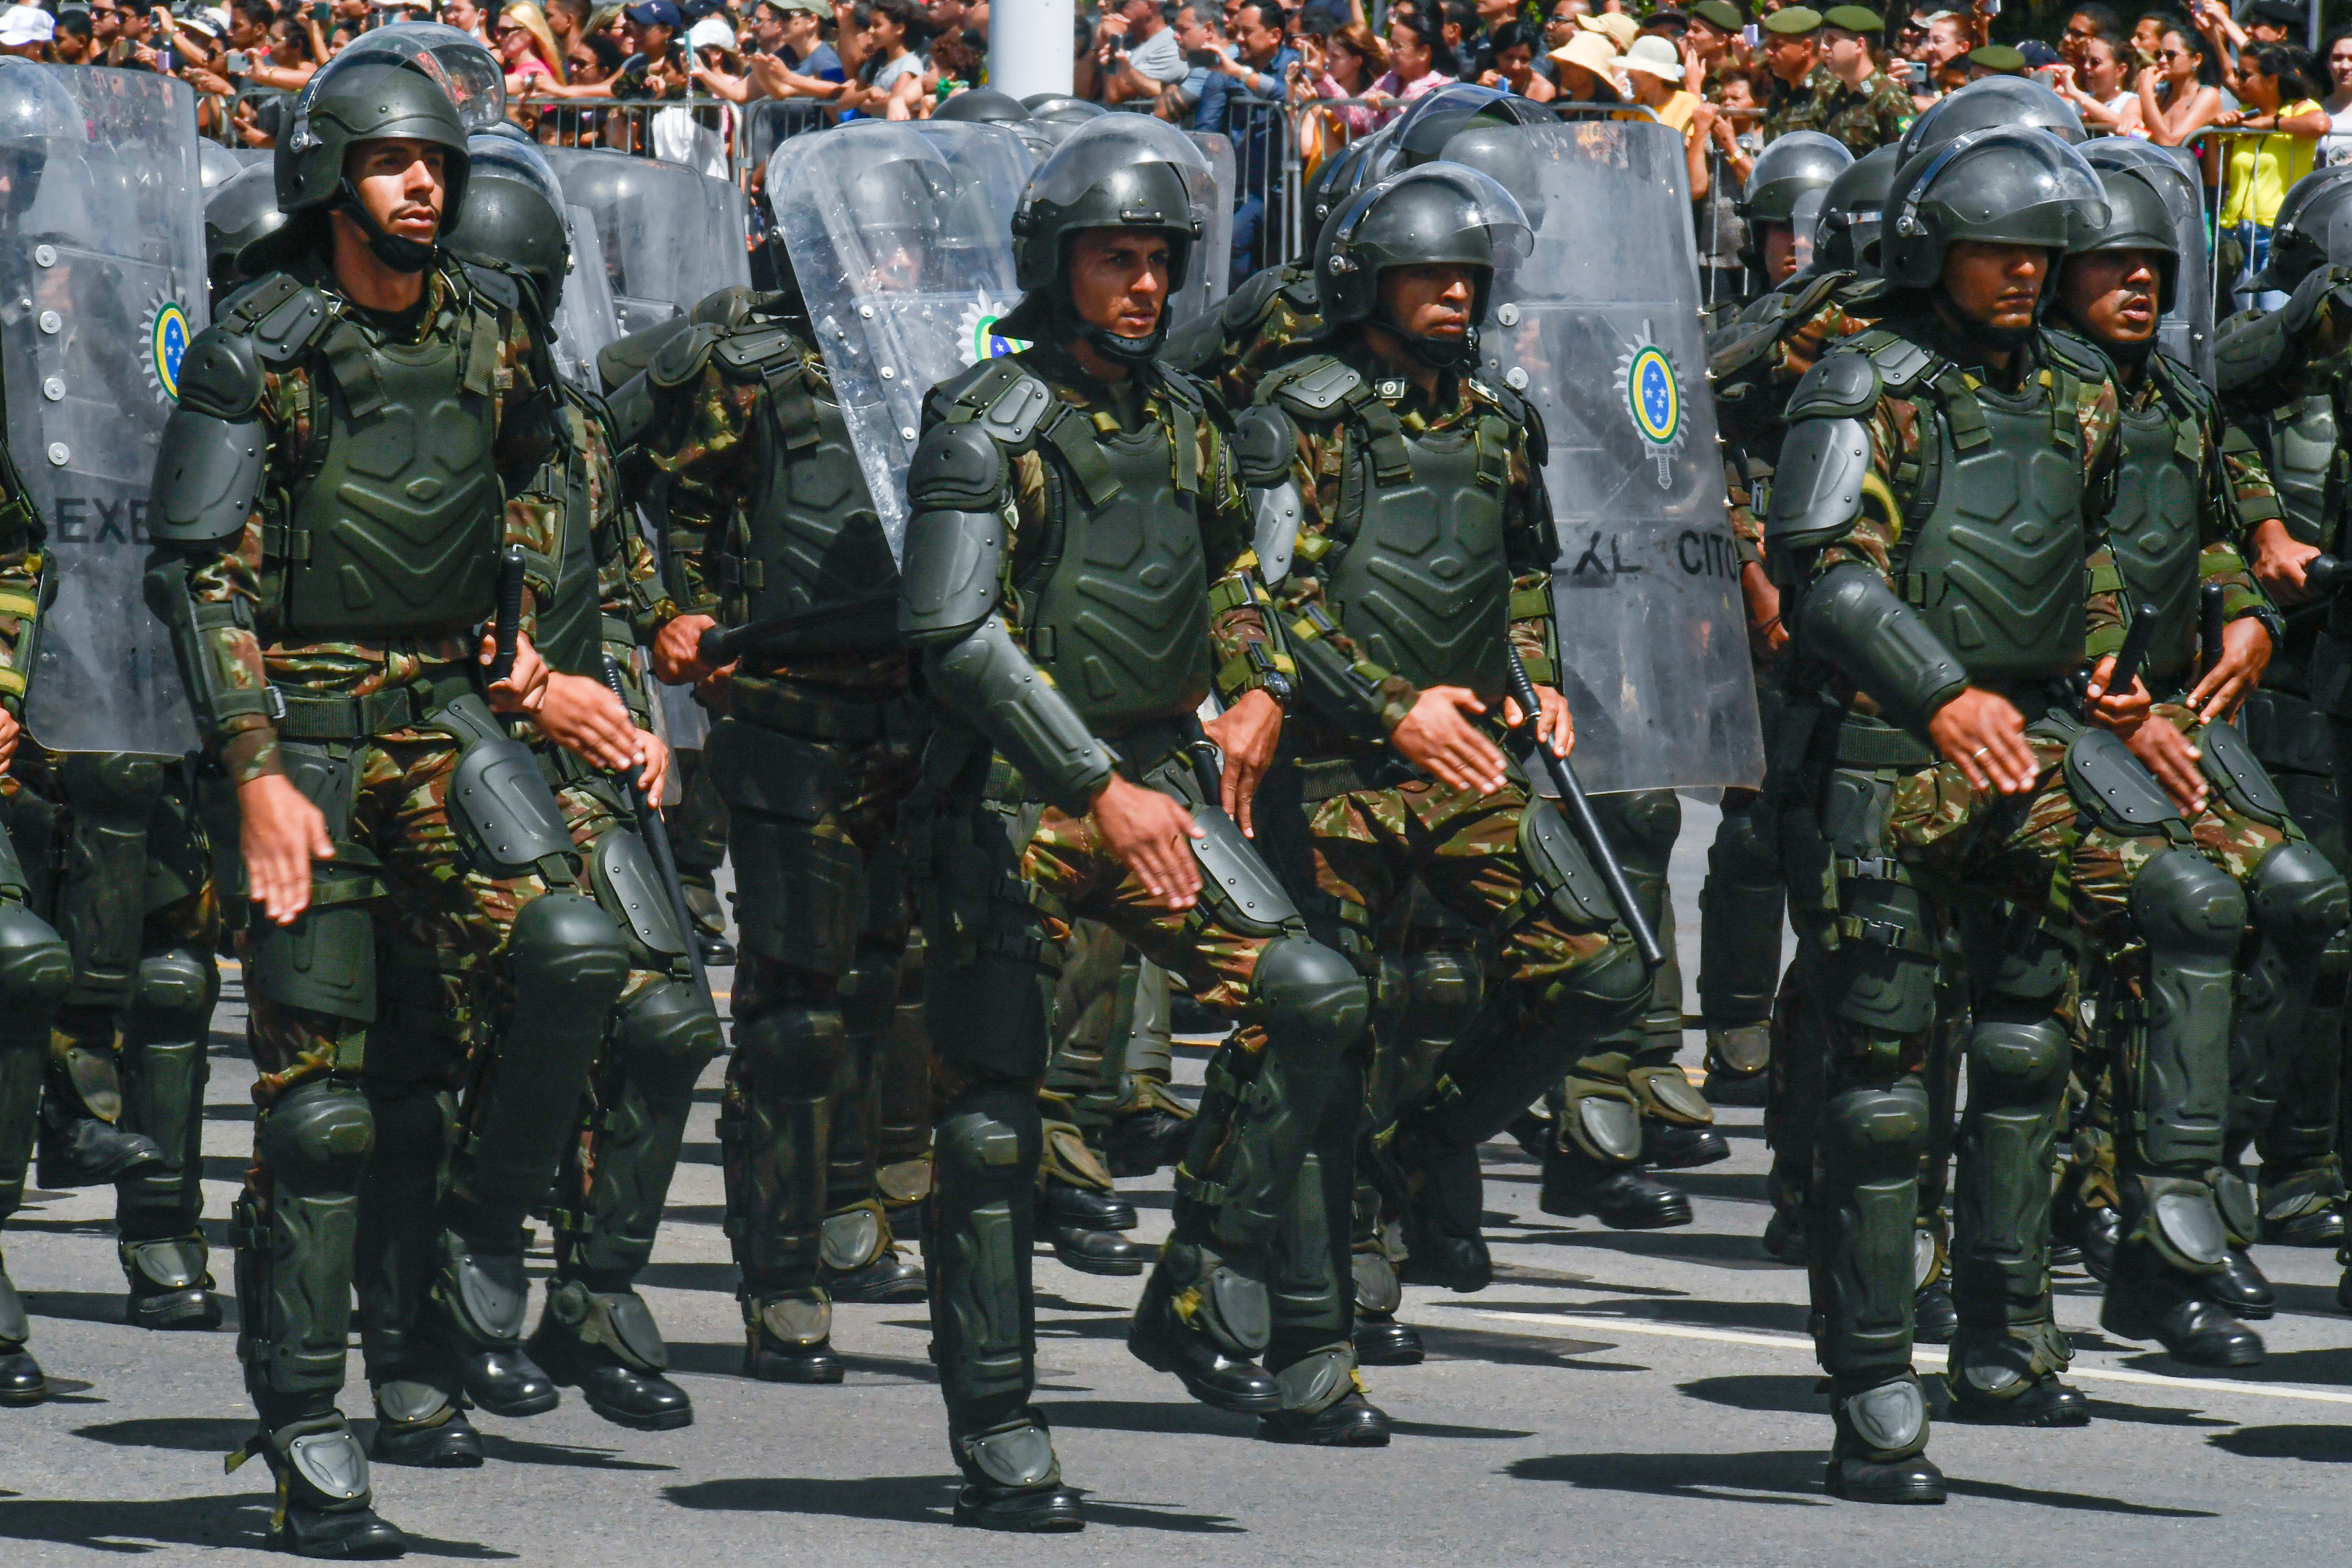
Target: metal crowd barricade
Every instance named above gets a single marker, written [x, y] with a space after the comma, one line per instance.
[2217, 138]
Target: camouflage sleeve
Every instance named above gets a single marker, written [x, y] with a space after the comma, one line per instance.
[2097, 415]
[2239, 499]
[528, 433]
[1241, 612]
[1384, 697]
[1740, 493]
[1533, 544]
[705, 447]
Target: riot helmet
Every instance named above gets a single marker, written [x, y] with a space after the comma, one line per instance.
[37, 118]
[357, 97]
[982, 103]
[476, 82]
[1845, 235]
[1122, 171]
[2138, 219]
[1437, 214]
[1057, 117]
[2007, 187]
[1986, 103]
[1500, 149]
[216, 166]
[2316, 207]
[238, 212]
[511, 223]
[1789, 167]
[1426, 130]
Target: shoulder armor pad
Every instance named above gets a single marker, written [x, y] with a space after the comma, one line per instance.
[1731, 349]
[282, 317]
[1193, 345]
[494, 283]
[1247, 306]
[1301, 293]
[630, 411]
[1267, 442]
[956, 466]
[1817, 483]
[2183, 385]
[1004, 400]
[1807, 294]
[1183, 388]
[1902, 364]
[1313, 385]
[747, 353]
[682, 357]
[2247, 348]
[221, 376]
[729, 305]
[2079, 354]
[1844, 385]
[624, 357]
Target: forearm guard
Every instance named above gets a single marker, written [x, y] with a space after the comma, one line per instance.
[1852, 620]
[988, 681]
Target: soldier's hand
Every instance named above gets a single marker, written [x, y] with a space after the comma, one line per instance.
[2245, 654]
[1436, 738]
[1246, 733]
[585, 717]
[525, 685]
[2172, 757]
[1555, 725]
[678, 651]
[1767, 632]
[279, 832]
[653, 772]
[9, 731]
[2278, 562]
[1979, 733]
[1147, 831]
[2117, 710]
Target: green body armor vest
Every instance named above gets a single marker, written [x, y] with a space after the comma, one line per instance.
[571, 631]
[2152, 527]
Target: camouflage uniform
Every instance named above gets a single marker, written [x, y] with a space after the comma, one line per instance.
[812, 752]
[433, 956]
[1787, 108]
[1347, 820]
[1865, 118]
[1256, 328]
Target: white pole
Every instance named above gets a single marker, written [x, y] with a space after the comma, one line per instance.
[1031, 46]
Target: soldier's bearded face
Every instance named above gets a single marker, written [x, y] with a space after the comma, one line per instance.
[402, 182]
[2112, 294]
[1119, 279]
[1995, 285]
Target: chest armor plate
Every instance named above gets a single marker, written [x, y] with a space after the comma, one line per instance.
[571, 635]
[1425, 585]
[1998, 566]
[1121, 621]
[809, 535]
[2302, 455]
[403, 519]
[2153, 530]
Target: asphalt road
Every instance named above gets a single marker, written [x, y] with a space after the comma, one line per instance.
[1613, 1398]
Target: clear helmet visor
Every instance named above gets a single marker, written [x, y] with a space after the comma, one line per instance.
[2007, 185]
[493, 153]
[1434, 209]
[466, 71]
[1115, 141]
[1804, 219]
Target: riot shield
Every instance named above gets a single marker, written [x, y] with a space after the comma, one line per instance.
[901, 240]
[2186, 332]
[668, 237]
[1803, 217]
[1212, 258]
[1600, 327]
[101, 289]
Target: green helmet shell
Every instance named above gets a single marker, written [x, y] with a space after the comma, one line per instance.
[1119, 171]
[2315, 206]
[1789, 166]
[367, 97]
[2138, 219]
[1437, 213]
[2007, 187]
[510, 223]
[1846, 235]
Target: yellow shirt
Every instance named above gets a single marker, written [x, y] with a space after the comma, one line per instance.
[2262, 168]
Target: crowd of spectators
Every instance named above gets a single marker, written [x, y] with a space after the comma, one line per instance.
[1729, 77]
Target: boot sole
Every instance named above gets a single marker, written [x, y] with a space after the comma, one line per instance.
[2237, 1358]
[519, 1408]
[181, 1318]
[428, 1461]
[339, 1550]
[825, 1376]
[1216, 1399]
[668, 1421]
[1687, 1164]
[1055, 1522]
[1994, 1415]
[1352, 1437]
[1909, 1496]
[1109, 1271]
[1646, 1222]
[13, 1400]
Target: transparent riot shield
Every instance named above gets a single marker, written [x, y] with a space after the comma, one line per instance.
[1804, 219]
[667, 237]
[901, 240]
[1600, 327]
[102, 288]
[1212, 258]
[2186, 332]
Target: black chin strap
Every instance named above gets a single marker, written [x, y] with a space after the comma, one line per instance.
[1437, 353]
[1126, 350]
[400, 254]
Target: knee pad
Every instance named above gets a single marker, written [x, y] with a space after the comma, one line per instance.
[180, 985]
[2297, 898]
[666, 1023]
[629, 888]
[36, 968]
[566, 953]
[2018, 1056]
[1882, 1125]
[2183, 903]
[1446, 986]
[318, 1135]
[793, 1051]
[1307, 992]
[1741, 850]
[990, 1139]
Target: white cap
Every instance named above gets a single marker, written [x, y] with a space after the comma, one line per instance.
[1655, 55]
[710, 33]
[27, 25]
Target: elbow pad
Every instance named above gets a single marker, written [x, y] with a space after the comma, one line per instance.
[629, 412]
[2251, 351]
[1817, 484]
[1852, 620]
[950, 578]
[987, 680]
[1266, 442]
[207, 471]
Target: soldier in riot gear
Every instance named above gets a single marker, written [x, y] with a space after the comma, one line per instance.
[2019, 429]
[1790, 167]
[817, 748]
[238, 212]
[596, 1333]
[2190, 488]
[2282, 380]
[414, 881]
[1064, 783]
[1385, 417]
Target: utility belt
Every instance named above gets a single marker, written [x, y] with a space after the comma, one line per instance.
[301, 715]
[841, 720]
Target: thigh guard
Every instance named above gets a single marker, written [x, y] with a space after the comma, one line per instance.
[324, 961]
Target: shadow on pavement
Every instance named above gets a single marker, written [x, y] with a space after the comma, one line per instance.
[2325, 1368]
[517, 1451]
[727, 1360]
[1169, 1417]
[913, 1499]
[1778, 1476]
[1515, 1350]
[211, 1522]
[2323, 1445]
[1997, 1491]
[187, 1434]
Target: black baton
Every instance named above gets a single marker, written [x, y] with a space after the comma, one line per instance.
[655, 834]
[509, 622]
